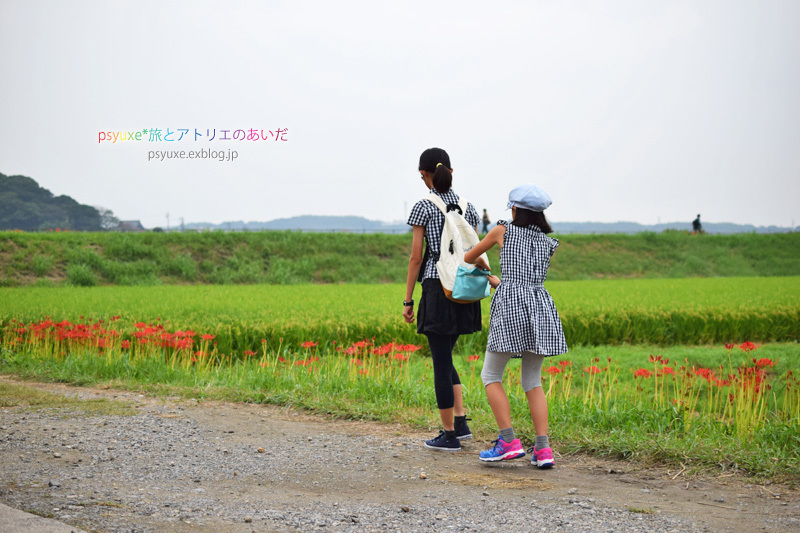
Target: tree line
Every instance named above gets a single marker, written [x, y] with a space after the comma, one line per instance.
[24, 205]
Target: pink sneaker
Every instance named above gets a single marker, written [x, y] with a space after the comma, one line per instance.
[503, 451]
[542, 458]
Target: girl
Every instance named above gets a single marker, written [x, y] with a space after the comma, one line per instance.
[440, 319]
[523, 320]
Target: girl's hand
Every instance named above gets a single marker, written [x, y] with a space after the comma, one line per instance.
[408, 314]
[494, 281]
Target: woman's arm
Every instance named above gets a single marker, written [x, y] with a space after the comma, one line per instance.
[414, 264]
[495, 236]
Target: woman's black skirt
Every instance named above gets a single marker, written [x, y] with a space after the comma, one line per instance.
[437, 314]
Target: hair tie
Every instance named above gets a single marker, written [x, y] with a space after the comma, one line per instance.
[438, 165]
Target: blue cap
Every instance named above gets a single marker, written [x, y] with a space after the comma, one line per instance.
[529, 196]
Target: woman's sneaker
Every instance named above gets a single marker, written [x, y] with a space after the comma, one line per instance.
[443, 443]
[503, 451]
[462, 429]
[542, 458]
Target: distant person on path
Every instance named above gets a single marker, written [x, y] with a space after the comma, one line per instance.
[485, 221]
[523, 321]
[439, 319]
[696, 226]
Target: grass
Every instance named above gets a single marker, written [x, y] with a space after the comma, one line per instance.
[599, 312]
[30, 398]
[286, 257]
[604, 413]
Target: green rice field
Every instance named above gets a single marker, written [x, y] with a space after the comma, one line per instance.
[594, 312]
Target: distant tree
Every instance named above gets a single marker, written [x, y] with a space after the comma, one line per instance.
[107, 219]
[27, 206]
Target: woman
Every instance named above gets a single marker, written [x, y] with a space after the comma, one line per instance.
[439, 319]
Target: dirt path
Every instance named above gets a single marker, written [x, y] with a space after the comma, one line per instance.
[179, 465]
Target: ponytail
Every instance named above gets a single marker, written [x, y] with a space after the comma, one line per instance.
[442, 179]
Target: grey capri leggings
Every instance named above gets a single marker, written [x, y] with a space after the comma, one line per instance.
[494, 364]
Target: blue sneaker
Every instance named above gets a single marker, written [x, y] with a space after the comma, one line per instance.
[441, 442]
[503, 451]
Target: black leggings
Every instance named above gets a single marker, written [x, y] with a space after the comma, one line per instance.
[444, 373]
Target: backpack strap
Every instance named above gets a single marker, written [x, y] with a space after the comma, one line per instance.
[438, 202]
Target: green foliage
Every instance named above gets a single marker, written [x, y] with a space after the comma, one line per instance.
[81, 275]
[42, 265]
[287, 258]
[653, 311]
[26, 206]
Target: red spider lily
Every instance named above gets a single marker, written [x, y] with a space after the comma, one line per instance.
[553, 370]
[666, 370]
[309, 344]
[363, 372]
[282, 359]
[705, 373]
[748, 346]
[592, 370]
[730, 346]
[751, 378]
[473, 358]
[207, 337]
[126, 344]
[564, 364]
[408, 347]
[642, 373]
[358, 347]
[383, 350]
[761, 363]
[249, 352]
[200, 353]
[656, 358]
[357, 362]
[264, 364]
[401, 357]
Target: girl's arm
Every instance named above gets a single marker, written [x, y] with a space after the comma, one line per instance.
[414, 264]
[495, 236]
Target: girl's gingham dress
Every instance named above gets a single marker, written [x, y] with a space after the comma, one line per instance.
[523, 317]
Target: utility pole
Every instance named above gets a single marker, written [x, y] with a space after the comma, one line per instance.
[167, 221]
[182, 227]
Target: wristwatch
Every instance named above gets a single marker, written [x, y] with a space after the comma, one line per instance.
[407, 303]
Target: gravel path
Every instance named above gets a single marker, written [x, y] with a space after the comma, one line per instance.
[187, 466]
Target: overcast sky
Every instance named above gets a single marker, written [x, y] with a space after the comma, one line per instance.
[634, 111]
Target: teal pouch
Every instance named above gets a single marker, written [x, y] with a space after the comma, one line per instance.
[471, 284]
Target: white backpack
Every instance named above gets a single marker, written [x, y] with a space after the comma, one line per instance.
[458, 237]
